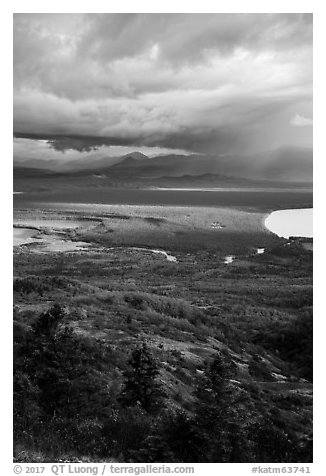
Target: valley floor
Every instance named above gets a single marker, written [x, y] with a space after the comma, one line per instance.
[255, 312]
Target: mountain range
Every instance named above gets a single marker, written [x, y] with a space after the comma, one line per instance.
[287, 164]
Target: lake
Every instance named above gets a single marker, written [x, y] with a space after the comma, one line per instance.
[286, 223]
[127, 196]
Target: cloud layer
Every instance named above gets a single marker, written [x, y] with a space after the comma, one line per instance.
[216, 83]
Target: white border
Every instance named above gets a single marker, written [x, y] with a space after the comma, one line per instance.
[317, 7]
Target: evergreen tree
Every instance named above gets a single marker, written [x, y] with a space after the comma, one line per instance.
[141, 386]
[214, 392]
[173, 439]
[220, 423]
[47, 323]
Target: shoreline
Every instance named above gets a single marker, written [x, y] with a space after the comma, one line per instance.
[137, 210]
[230, 189]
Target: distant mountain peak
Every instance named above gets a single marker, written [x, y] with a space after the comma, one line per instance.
[135, 156]
[134, 159]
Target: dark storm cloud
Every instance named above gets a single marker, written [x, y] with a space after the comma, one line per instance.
[80, 143]
[200, 82]
[186, 37]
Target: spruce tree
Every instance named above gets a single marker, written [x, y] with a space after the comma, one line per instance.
[219, 421]
[141, 386]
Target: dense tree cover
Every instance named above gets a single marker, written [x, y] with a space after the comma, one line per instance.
[293, 341]
[66, 402]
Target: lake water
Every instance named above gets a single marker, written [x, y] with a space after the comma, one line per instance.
[286, 223]
[229, 259]
[128, 196]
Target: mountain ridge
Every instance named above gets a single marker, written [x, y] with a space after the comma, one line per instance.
[286, 164]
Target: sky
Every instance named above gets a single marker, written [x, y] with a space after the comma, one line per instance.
[108, 84]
